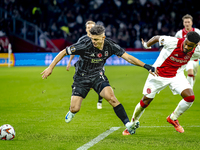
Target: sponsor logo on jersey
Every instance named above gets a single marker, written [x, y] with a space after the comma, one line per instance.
[178, 60]
[186, 57]
[96, 60]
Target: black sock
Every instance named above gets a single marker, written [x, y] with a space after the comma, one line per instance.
[121, 113]
[100, 99]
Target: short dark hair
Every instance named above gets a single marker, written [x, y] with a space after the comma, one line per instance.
[193, 37]
[97, 30]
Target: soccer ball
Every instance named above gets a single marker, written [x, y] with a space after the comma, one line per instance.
[7, 132]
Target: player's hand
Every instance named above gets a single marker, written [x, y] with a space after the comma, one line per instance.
[155, 73]
[145, 44]
[142, 41]
[68, 66]
[46, 73]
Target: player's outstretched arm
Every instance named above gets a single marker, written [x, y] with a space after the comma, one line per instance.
[69, 63]
[49, 70]
[137, 62]
[151, 42]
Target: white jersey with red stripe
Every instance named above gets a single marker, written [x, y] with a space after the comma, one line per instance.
[182, 33]
[172, 59]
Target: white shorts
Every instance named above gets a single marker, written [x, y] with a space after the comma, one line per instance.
[154, 84]
[193, 65]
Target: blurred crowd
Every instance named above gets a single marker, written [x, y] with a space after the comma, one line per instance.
[126, 21]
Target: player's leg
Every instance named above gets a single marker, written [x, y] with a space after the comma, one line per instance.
[80, 90]
[74, 108]
[108, 94]
[190, 77]
[140, 107]
[152, 86]
[181, 86]
[99, 103]
[183, 105]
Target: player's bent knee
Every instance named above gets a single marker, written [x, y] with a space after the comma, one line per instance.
[189, 98]
[74, 109]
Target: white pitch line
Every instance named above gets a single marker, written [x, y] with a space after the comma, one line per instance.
[98, 138]
[111, 130]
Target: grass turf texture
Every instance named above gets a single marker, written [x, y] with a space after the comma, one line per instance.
[36, 108]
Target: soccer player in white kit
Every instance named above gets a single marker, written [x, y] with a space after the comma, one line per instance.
[193, 65]
[170, 66]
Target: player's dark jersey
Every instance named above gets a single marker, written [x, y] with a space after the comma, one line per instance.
[92, 60]
[83, 38]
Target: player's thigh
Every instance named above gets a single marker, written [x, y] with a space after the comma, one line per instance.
[179, 84]
[81, 86]
[99, 83]
[154, 85]
[108, 94]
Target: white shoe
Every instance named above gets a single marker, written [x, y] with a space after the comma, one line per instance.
[99, 105]
[131, 127]
[69, 116]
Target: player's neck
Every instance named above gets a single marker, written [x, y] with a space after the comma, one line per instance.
[101, 46]
[188, 29]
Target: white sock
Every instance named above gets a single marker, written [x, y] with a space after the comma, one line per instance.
[190, 80]
[180, 109]
[137, 112]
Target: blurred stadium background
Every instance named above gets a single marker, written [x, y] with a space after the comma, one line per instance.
[34, 26]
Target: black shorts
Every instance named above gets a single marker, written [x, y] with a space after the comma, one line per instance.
[82, 84]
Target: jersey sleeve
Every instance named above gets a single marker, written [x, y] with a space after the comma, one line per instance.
[196, 54]
[118, 50]
[167, 41]
[197, 30]
[77, 48]
[178, 34]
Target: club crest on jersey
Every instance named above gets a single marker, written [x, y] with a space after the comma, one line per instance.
[148, 90]
[106, 53]
[99, 55]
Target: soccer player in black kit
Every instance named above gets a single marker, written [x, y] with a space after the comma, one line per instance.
[88, 26]
[89, 74]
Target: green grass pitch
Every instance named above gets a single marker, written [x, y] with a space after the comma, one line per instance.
[36, 108]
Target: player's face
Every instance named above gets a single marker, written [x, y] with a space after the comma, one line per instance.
[98, 40]
[187, 23]
[88, 27]
[188, 46]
